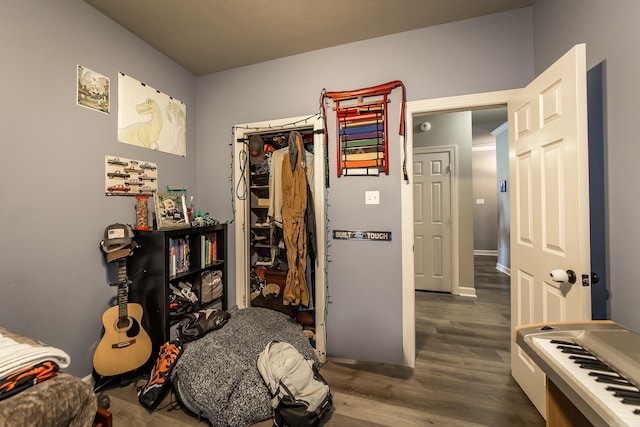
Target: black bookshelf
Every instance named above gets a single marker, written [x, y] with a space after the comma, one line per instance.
[151, 273]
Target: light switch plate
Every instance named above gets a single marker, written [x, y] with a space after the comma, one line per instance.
[372, 197]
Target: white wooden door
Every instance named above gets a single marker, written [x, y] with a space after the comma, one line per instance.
[548, 161]
[432, 220]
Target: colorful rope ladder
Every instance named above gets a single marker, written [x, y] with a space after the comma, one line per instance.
[362, 129]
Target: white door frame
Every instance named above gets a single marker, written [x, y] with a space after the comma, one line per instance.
[242, 220]
[453, 191]
[430, 106]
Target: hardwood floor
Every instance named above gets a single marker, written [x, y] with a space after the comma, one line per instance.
[462, 374]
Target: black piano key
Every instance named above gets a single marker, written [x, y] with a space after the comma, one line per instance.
[623, 390]
[573, 350]
[571, 343]
[612, 381]
[587, 357]
[596, 367]
[631, 401]
[632, 394]
[583, 359]
[591, 363]
[611, 377]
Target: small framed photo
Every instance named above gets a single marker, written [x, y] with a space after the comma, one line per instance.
[171, 210]
[92, 90]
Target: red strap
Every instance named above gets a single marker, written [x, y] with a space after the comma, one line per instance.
[382, 89]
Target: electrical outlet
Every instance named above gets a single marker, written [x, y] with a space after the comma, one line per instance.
[372, 197]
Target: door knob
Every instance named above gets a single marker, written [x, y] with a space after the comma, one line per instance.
[561, 276]
[594, 278]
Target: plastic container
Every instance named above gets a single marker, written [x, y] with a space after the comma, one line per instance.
[142, 213]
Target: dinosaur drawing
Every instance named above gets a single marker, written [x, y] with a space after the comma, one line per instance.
[176, 116]
[144, 134]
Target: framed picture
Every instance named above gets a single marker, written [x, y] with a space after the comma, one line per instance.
[92, 90]
[171, 210]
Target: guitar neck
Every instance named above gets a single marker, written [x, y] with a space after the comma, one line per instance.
[123, 289]
[122, 271]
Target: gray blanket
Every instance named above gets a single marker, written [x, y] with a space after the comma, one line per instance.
[217, 375]
[63, 400]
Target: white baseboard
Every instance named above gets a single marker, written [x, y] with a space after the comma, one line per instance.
[486, 252]
[465, 291]
[506, 270]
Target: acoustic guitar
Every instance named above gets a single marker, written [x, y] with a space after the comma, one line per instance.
[125, 345]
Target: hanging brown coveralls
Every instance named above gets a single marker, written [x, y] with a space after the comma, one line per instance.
[294, 204]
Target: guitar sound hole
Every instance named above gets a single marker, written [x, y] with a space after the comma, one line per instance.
[128, 324]
[123, 323]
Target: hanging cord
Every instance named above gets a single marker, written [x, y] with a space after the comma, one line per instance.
[242, 180]
[174, 404]
[240, 189]
[325, 138]
[285, 126]
[403, 127]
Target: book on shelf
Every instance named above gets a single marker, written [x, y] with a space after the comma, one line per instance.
[208, 249]
[179, 251]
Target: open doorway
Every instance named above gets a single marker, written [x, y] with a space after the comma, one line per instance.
[414, 110]
[456, 195]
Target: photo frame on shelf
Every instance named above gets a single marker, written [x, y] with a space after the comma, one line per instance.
[171, 210]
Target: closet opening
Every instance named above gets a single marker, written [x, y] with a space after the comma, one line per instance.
[279, 197]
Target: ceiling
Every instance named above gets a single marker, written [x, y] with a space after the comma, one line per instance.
[485, 121]
[207, 36]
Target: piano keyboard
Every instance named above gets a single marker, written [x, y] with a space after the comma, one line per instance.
[599, 384]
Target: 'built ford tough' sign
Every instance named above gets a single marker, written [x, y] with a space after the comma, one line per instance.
[362, 235]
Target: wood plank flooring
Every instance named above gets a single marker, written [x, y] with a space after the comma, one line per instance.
[462, 375]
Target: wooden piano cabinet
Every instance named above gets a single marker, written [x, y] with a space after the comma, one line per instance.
[561, 412]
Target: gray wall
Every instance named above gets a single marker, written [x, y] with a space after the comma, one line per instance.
[611, 33]
[485, 214]
[455, 129]
[479, 55]
[53, 278]
[54, 210]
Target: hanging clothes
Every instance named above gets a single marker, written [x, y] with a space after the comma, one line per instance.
[310, 220]
[294, 205]
[312, 250]
[275, 182]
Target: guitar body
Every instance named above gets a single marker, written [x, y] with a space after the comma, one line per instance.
[125, 345]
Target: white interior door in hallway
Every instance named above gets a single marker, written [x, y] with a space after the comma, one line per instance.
[432, 218]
